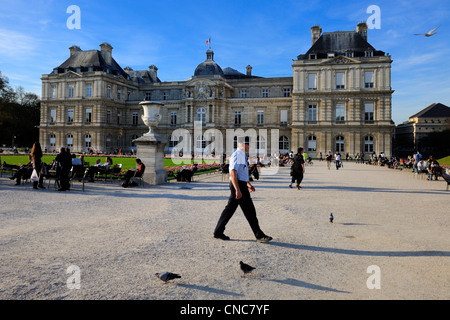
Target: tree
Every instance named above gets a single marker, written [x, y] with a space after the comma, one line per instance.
[19, 115]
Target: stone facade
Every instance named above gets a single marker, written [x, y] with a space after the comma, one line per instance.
[90, 102]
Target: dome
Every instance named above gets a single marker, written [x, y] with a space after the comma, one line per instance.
[208, 67]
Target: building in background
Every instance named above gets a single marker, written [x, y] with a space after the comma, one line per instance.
[432, 119]
[339, 98]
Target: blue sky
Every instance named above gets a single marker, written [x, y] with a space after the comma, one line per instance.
[268, 35]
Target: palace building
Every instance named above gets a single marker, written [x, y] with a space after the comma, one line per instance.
[339, 98]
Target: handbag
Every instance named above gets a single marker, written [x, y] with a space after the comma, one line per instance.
[34, 176]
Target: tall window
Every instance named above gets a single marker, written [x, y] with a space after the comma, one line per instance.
[260, 144]
[260, 117]
[287, 92]
[237, 117]
[69, 115]
[119, 117]
[173, 118]
[108, 91]
[108, 142]
[87, 141]
[340, 80]
[88, 115]
[340, 144]
[265, 93]
[312, 143]
[108, 116]
[283, 116]
[312, 81]
[368, 79]
[89, 90]
[148, 96]
[368, 112]
[52, 140]
[53, 91]
[201, 115]
[69, 140]
[173, 141]
[165, 96]
[119, 93]
[70, 89]
[283, 144]
[244, 93]
[368, 144]
[53, 115]
[135, 117]
[312, 112]
[340, 112]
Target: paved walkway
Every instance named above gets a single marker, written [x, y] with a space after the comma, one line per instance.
[390, 229]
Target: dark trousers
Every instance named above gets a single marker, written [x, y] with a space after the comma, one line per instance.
[297, 176]
[247, 207]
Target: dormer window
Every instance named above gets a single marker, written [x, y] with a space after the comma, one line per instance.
[368, 54]
[312, 56]
[349, 54]
[330, 55]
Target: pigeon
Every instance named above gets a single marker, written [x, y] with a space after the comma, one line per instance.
[246, 268]
[331, 217]
[167, 276]
[428, 34]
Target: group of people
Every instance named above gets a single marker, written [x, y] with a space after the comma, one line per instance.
[64, 164]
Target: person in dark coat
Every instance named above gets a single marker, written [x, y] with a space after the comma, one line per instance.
[64, 160]
[298, 169]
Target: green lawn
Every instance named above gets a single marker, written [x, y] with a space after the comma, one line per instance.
[127, 162]
[444, 161]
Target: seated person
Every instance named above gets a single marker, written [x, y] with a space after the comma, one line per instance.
[98, 167]
[422, 167]
[23, 172]
[138, 172]
[436, 169]
[186, 174]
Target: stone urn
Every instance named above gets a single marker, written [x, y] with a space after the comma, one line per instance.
[151, 116]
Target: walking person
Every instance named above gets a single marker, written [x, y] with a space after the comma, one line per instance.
[337, 159]
[36, 160]
[298, 169]
[328, 158]
[240, 188]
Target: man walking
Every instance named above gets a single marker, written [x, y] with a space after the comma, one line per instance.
[337, 159]
[298, 168]
[240, 188]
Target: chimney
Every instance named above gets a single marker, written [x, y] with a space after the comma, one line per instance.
[74, 49]
[316, 31]
[249, 70]
[361, 28]
[153, 72]
[106, 52]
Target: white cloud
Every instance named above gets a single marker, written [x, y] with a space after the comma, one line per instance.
[15, 45]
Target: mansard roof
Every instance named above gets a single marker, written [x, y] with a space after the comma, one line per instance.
[91, 59]
[340, 43]
[435, 110]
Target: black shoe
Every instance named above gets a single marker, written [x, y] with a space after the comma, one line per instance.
[264, 239]
[41, 187]
[290, 186]
[124, 185]
[222, 237]
[61, 189]
[12, 178]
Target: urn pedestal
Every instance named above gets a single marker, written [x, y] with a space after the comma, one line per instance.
[150, 147]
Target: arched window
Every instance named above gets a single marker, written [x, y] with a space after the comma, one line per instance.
[340, 144]
[173, 141]
[283, 144]
[201, 115]
[368, 144]
[200, 142]
[87, 141]
[312, 143]
[108, 142]
[134, 137]
[69, 140]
